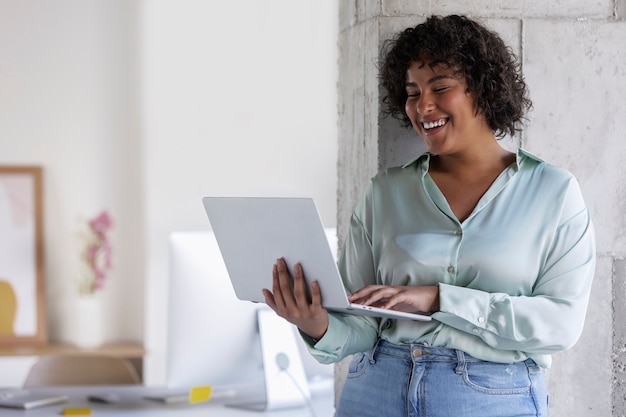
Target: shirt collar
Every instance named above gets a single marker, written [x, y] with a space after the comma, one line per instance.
[423, 157]
[522, 154]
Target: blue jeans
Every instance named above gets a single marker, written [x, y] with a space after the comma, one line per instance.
[417, 381]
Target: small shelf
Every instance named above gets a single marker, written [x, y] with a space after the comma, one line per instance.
[129, 350]
[132, 351]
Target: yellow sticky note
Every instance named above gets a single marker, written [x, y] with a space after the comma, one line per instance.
[200, 394]
[77, 411]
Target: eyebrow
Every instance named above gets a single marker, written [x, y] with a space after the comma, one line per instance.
[432, 80]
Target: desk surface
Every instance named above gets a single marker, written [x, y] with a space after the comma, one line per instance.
[117, 349]
[132, 402]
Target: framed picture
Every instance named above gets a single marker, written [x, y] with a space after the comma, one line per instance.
[22, 291]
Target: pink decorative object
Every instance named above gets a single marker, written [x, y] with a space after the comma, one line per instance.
[97, 253]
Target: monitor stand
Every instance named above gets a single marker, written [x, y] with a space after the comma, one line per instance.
[286, 385]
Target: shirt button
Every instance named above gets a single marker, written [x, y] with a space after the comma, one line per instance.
[476, 330]
[481, 319]
[450, 269]
[458, 232]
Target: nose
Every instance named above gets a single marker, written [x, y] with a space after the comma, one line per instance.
[425, 104]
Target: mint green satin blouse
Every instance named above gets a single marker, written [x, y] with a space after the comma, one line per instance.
[514, 277]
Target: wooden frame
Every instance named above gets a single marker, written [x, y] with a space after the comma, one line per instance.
[22, 286]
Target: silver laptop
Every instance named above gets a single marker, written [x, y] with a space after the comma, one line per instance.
[26, 400]
[253, 232]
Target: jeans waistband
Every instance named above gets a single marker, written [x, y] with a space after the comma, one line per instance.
[422, 352]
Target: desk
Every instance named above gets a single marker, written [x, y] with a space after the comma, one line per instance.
[133, 403]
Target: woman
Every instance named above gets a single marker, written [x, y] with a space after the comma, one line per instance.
[497, 245]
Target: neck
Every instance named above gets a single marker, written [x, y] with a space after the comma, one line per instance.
[481, 158]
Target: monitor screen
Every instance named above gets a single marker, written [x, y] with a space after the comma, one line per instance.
[213, 337]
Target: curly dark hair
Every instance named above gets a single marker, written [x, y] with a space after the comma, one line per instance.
[491, 70]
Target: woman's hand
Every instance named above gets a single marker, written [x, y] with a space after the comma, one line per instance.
[408, 299]
[293, 305]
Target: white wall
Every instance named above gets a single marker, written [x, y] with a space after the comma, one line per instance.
[142, 108]
[238, 98]
[69, 103]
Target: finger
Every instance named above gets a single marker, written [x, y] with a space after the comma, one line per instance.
[284, 282]
[362, 295]
[379, 296]
[279, 301]
[269, 299]
[364, 292]
[299, 286]
[316, 295]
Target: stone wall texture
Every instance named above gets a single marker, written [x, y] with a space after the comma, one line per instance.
[574, 60]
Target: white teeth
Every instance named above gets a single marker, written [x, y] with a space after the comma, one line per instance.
[438, 123]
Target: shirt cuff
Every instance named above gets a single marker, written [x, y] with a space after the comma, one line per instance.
[334, 338]
[463, 308]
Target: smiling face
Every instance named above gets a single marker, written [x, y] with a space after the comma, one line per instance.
[441, 110]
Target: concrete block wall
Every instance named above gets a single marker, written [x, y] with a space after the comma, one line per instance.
[574, 60]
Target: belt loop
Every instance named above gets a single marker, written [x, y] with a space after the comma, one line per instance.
[462, 362]
[372, 360]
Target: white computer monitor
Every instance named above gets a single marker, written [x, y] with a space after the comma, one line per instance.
[213, 337]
